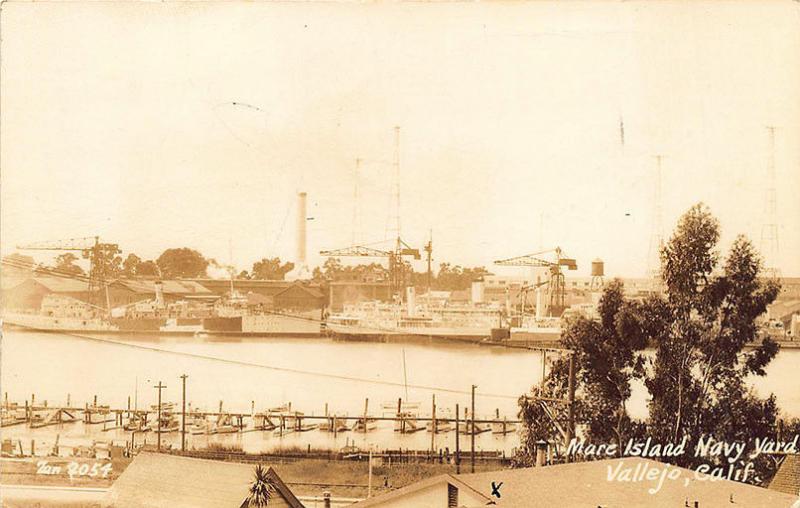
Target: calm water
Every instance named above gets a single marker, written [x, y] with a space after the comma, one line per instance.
[242, 372]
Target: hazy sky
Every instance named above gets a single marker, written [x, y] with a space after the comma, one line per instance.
[119, 120]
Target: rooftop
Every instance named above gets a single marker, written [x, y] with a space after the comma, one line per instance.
[154, 479]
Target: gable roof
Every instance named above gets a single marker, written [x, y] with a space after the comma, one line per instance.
[311, 292]
[787, 479]
[424, 484]
[155, 479]
[583, 484]
[62, 284]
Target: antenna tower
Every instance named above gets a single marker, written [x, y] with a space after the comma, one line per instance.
[657, 234]
[769, 229]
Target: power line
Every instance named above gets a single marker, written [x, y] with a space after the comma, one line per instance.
[285, 369]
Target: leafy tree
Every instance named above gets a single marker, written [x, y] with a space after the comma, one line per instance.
[65, 264]
[271, 269]
[182, 263]
[262, 489]
[134, 266]
[607, 357]
[106, 261]
[453, 278]
[130, 265]
[333, 269]
[700, 330]
[147, 268]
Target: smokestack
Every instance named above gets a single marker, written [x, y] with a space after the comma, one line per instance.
[301, 230]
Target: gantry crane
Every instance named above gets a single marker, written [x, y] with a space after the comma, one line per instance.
[556, 286]
[98, 253]
[397, 269]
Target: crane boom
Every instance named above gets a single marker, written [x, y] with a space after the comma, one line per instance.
[356, 251]
[397, 269]
[556, 285]
[83, 243]
[100, 256]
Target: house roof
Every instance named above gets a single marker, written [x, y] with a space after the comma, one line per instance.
[155, 479]
[587, 484]
[583, 484]
[787, 479]
[420, 485]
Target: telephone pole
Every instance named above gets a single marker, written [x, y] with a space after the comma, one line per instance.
[458, 448]
[570, 405]
[472, 432]
[183, 414]
[160, 387]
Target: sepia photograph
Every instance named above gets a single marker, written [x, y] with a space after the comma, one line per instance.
[431, 254]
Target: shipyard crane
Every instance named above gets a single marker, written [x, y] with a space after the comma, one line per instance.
[397, 271]
[556, 286]
[98, 253]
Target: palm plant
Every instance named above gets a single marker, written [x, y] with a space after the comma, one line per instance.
[261, 491]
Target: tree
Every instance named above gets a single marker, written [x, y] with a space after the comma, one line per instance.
[700, 330]
[130, 265]
[271, 269]
[455, 277]
[261, 490]
[147, 268]
[134, 266]
[182, 263]
[608, 355]
[65, 264]
[105, 260]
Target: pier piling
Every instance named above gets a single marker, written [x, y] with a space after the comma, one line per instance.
[472, 437]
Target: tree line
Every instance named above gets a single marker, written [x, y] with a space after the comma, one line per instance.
[189, 263]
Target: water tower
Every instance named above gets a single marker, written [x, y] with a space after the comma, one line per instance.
[598, 271]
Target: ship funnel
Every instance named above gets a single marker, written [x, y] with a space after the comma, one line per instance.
[477, 291]
[411, 301]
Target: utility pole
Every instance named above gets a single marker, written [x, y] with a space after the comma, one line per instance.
[570, 404]
[183, 414]
[433, 423]
[160, 387]
[472, 432]
[458, 448]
